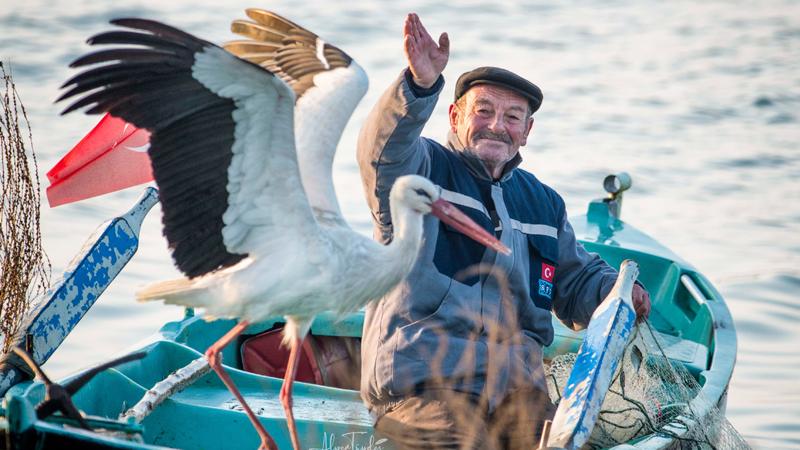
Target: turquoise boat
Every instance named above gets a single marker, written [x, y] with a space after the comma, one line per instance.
[164, 396]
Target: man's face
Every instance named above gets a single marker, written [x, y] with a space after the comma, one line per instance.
[492, 123]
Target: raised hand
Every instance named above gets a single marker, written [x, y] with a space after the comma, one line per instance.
[425, 58]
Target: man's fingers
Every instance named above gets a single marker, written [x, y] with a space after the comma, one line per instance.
[444, 43]
[419, 30]
[423, 32]
[641, 303]
[641, 311]
[408, 46]
[415, 25]
[410, 27]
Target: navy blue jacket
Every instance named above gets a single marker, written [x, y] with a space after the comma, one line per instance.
[467, 318]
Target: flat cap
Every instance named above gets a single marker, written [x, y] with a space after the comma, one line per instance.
[503, 78]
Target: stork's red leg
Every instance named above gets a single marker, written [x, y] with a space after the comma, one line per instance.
[286, 390]
[215, 361]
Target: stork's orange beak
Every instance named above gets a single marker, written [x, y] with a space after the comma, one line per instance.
[452, 216]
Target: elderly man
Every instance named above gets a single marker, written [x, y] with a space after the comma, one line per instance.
[452, 358]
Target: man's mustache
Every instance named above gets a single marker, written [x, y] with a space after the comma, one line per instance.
[486, 134]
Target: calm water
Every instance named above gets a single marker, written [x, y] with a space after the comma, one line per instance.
[699, 102]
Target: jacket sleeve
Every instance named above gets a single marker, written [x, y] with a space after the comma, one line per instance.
[583, 280]
[390, 145]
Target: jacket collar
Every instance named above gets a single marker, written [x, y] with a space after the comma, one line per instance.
[475, 165]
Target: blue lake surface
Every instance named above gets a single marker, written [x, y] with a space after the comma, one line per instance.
[698, 101]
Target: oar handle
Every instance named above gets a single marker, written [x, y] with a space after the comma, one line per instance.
[628, 273]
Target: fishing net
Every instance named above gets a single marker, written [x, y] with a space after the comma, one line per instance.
[650, 394]
[24, 266]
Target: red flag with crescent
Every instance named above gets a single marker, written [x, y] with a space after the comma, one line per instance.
[548, 272]
[111, 157]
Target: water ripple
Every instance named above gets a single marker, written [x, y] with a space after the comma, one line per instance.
[765, 160]
[782, 118]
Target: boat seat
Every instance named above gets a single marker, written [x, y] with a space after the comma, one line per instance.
[333, 361]
[692, 355]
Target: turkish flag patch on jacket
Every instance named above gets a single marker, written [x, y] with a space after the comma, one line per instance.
[548, 272]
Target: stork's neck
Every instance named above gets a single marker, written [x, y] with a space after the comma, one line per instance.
[407, 232]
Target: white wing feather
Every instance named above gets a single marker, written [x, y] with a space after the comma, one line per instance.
[321, 114]
[264, 185]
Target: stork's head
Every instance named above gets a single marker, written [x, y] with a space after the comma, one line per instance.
[416, 193]
[420, 195]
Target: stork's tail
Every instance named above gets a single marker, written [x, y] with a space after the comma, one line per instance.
[175, 292]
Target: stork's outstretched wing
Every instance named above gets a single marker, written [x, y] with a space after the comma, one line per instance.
[222, 139]
[328, 85]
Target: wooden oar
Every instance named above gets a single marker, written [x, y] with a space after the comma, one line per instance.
[102, 258]
[597, 360]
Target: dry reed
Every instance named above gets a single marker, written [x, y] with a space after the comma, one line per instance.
[24, 266]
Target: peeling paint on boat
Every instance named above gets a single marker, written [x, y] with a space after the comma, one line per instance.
[89, 275]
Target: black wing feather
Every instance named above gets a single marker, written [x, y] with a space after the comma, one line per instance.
[102, 75]
[173, 34]
[146, 40]
[140, 55]
[191, 129]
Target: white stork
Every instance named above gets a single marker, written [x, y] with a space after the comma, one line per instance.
[242, 156]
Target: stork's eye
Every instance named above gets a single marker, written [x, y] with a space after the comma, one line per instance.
[423, 193]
